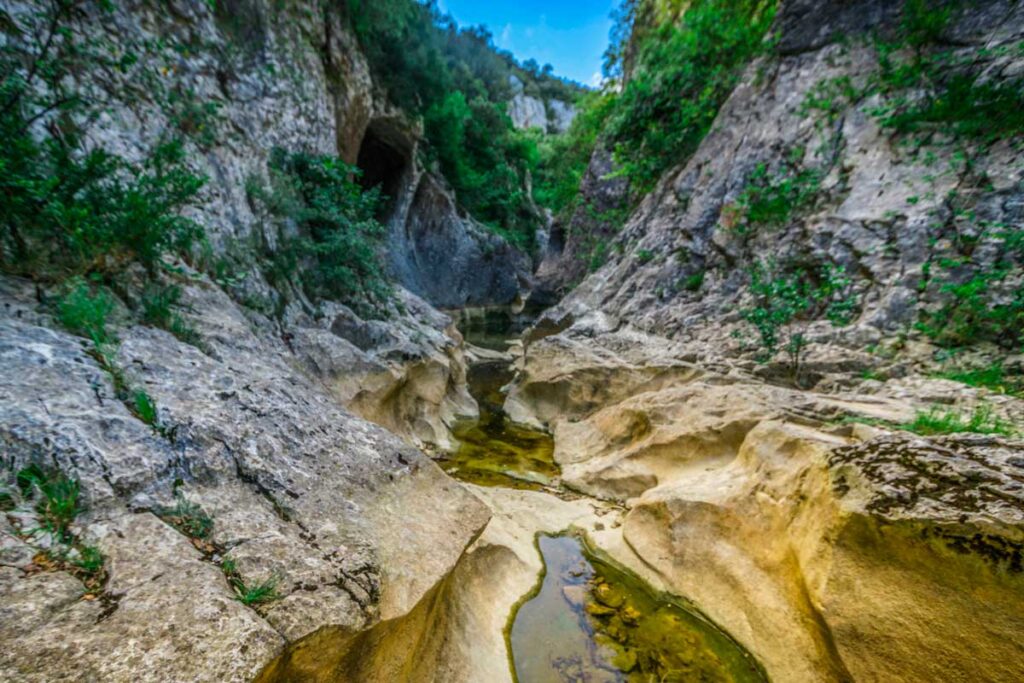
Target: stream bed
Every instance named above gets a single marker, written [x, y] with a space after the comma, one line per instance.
[588, 620]
[493, 450]
[591, 621]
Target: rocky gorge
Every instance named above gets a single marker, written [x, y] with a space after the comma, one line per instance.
[268, 485]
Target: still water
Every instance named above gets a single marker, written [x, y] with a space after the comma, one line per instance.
[592, 622]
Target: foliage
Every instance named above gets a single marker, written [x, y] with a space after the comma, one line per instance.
[784, 301]
[684, 72]
[564, 158]
[335, 251]
[57, 498]
[925, 20]
[773, 200]
[984, 304]
[935, 89]
[85, 309]
[982, 420]
[188, 518]
[486, 161]
[70, 208]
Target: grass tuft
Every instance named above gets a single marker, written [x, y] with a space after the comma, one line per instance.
[992, 377]
[58, 498]
[256, 594]
[982, 420]
[188, 518]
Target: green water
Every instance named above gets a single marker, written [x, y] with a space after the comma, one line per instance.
[493, 451]
[592, 622]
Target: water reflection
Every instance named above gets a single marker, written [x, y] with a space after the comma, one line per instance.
[592, 622]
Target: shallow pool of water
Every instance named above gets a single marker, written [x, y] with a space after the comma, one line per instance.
[494, 451]
[594, 622]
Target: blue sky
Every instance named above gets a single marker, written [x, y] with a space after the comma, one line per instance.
[571, 35]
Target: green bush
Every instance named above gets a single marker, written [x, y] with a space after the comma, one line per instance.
[486, 162]
[785, 301]
[85, 310]
[684, 70]
[67, 207]
[563, 159]
[335, 253]
[774, 200]
[985, 304]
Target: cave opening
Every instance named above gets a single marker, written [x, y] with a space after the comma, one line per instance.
[384, 157]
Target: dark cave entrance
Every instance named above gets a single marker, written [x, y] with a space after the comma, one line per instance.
[384, 157]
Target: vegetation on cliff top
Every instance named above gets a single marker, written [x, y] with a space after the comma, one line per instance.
[670, 67]
[461, 84]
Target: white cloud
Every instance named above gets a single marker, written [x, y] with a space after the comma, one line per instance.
[596, 80]
[504, 39]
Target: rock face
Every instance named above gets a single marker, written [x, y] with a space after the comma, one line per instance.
[832, 552]
[571, 250]
[450, 260]
[297, 488]
[291, 76]
[882, 211]
[528, 111]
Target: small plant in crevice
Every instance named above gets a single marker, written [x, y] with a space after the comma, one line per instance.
[145, 408]
[157, 304]
[694, 282]
[190, 520]
[939, 422]
[85, 310]
[55, 502]
[785, 301]
[250, 594]
[57, 499]
[982, 420]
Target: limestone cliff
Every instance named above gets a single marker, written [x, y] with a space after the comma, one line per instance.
[834, 550]
[890, 210]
